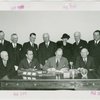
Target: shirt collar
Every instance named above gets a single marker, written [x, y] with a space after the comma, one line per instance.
[97, 41]
[2, 41]
[31, 43]
[78, 42]
[57, 60]
[48, 42]
[28, 61]
[85, 59]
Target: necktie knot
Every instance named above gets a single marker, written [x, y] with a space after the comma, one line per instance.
[33, 45]
[46, 45]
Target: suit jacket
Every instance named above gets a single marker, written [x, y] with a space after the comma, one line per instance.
[94, 51]
[25, 65]
[77, 48]
[67, 50]
[26, 46]
[15, 53]
[5, 46]
[9, 70]
[45, 53]
[90, 64]
[51, 63]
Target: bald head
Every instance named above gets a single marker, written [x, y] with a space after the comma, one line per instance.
[46, 37]
[84, 53]
[2, 35]
[77, 36]
[59, 53]
[4, 55]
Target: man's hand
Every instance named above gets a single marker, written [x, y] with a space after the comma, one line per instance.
[16, 68]
[91, 69]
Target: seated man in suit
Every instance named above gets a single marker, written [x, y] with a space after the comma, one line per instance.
[29, 62]
[85, 64]
[57, 62]
[30, 45]
[7, 70]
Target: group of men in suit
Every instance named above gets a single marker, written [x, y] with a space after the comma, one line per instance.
[30, 54]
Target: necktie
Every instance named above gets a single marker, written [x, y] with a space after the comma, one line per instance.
[85, 61]
[30, 64]
[57, 63]
[14, 45]
[33, 45]
[46, 45]
[77, 43]
[96, 43]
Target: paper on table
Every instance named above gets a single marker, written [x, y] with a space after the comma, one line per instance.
[29, 78]
[34, 74]
[24, 78]
[29, 73]
[24, 73]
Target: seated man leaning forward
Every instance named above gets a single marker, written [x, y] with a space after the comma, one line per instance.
[57, 62]
[29, 62]
[86, 65]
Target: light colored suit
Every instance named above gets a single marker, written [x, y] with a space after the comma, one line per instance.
[51, 63]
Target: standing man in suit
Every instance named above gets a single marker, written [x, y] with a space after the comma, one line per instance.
[94, 49]
[57, 62]
[15, 49]
[86, 62]
[78, 45]
[4, 44]
[30, 45]
[66, 47]
[46, 49]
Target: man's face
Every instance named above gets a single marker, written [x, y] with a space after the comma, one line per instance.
[29, 55]
[46, 38]
[59, 54]
[96, 36]
[2, 36]
[5, 56]
[32, 38]
[77, 37]
[64, 39]
[14, 38]
[84, 53]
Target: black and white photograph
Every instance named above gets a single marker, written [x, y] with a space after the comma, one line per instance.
[50, 50]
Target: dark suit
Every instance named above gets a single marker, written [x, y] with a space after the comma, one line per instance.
[15, 53]
[46, 52]
[90, 64]
[5, 46]
[77, 48]
[9, 70]
[51, 63]
[67, 50]
[25, 65]
[26, 46]
[94, 51]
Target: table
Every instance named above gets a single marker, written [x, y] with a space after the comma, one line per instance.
[50, 84]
